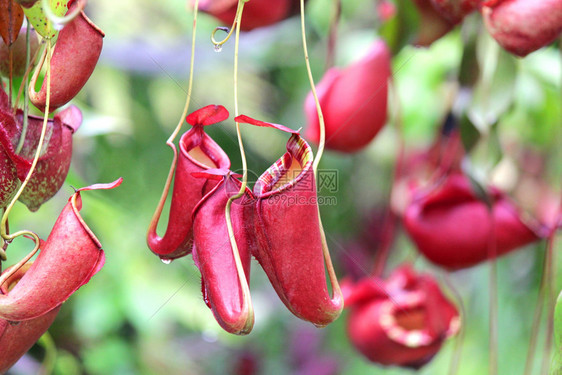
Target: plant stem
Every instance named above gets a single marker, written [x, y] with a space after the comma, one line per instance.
[238, 16]
[190, 82]
[26, 92]
[551, 300]
[170, 141]
[24, 80]
[247, 302]
[10, 64]
[333, 33]
[337, 296]
[313, 89]
[3, 245]
[3, 221]
[236, 112]
[493, 315]
[551, 279]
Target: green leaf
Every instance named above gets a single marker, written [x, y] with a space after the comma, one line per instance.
[469, 134]
[469, 69]
[495, 152]
[493, 94]
[400, 29]
[41, 23]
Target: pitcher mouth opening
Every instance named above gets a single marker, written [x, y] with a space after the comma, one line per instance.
[198, 147]
[412, 319]
[406, 323]
[12, 281]
[288, 170]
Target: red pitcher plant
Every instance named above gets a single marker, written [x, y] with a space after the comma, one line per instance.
[75, 56]
[198, 152]
[353, 101]
[523, 26]
[432, 25]
[290, 240]
[31, 294]
[8, 171]
[16, 338]
[455, 229]
[225, 264]
[72, 250]
[228, 226]
[401, 321]
[203, 187]
[455, 10]
[53, 164]
[35, 155]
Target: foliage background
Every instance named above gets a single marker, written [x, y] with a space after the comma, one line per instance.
[140, 316]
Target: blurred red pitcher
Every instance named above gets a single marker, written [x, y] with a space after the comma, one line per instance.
[455, 229]
[401, 321]
[523, 26]
[257, 13]
[353, 101]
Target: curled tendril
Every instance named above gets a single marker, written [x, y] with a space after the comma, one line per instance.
[20, 264]
[227, 30]
[61, 21]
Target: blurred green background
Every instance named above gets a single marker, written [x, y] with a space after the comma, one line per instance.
[140, 316]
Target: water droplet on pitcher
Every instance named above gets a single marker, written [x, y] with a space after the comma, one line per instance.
[218, 48]
[166, 261]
